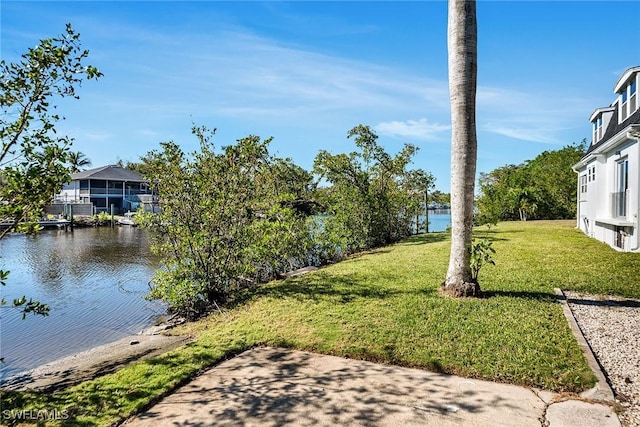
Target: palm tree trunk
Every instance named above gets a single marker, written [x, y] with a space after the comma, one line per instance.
[463, 63]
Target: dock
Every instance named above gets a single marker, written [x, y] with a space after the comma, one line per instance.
[59, 223]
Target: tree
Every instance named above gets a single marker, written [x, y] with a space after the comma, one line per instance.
[77, 161]
[542, 188]
[462, 47]
[369, 200]
[418, 185]
[439, 197]
[555, 182]
[227, 221]
[33, 158]
[501, 191]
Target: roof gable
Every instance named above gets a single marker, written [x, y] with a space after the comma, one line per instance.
[109, 172]
[599, 111]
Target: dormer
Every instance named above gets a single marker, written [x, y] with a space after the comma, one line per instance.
[600, 119]
[627, 90]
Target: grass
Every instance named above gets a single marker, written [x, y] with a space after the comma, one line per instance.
[385, 306]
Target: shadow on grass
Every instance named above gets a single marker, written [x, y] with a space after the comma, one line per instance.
[105, 398]
[442, 236]
[629, 303]
[547, 297]
[529, 295]
[343, 288]
[490, 238]
[423, 239]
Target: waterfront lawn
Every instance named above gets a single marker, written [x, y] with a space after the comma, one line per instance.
[385, 306]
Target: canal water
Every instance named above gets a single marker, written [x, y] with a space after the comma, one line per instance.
[439, 220]
[94, 280]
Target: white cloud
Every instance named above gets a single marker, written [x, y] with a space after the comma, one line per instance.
[533, 116]
[524, 133]
[85, 135]
[418, 129]
[231, 72]
[149, 133]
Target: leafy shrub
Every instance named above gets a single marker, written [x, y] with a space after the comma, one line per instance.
[481, 254]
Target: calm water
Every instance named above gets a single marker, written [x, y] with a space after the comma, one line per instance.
[93, 279]
[439, 220]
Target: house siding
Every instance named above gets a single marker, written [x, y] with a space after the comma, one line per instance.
[609, 209]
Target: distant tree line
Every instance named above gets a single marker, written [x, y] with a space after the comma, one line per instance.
[542, 188]
[235, 216]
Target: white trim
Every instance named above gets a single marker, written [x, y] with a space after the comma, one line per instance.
[620, 222]
[599, 111]
[624, 78]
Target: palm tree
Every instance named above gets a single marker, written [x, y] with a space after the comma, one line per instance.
[462, 43]
[77, 160]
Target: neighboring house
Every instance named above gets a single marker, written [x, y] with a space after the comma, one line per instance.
[108, 186]
[608, 175]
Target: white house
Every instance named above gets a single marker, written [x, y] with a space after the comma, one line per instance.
[608, 175]
[107, 186]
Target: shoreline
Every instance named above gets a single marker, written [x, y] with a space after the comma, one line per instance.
[97, 361]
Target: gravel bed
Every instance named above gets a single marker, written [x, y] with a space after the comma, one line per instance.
[611, 326]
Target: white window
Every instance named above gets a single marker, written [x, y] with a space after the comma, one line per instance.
[622, 175]
[621, 187]
[629, 100]
[598, 130]
[583, 184]
[633, 97]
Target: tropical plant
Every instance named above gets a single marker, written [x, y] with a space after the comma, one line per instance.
[481, 254]
[77, 161]
[463, 63]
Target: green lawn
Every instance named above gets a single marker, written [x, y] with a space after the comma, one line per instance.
[385, 306]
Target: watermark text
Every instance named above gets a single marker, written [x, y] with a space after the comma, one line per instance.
[33, 415]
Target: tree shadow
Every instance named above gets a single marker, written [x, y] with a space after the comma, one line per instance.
[342, 288]
[627, 303]
[275, 386]
[529, 295]
[492, 236]
[425, 238]
[548, 297]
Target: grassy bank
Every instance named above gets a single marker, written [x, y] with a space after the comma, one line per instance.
[385, 306]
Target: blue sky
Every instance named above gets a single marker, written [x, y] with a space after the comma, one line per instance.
[307, 72]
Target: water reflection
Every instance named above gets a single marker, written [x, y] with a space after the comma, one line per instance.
[93, 279]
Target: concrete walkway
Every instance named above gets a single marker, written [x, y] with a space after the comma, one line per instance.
[274, 387]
